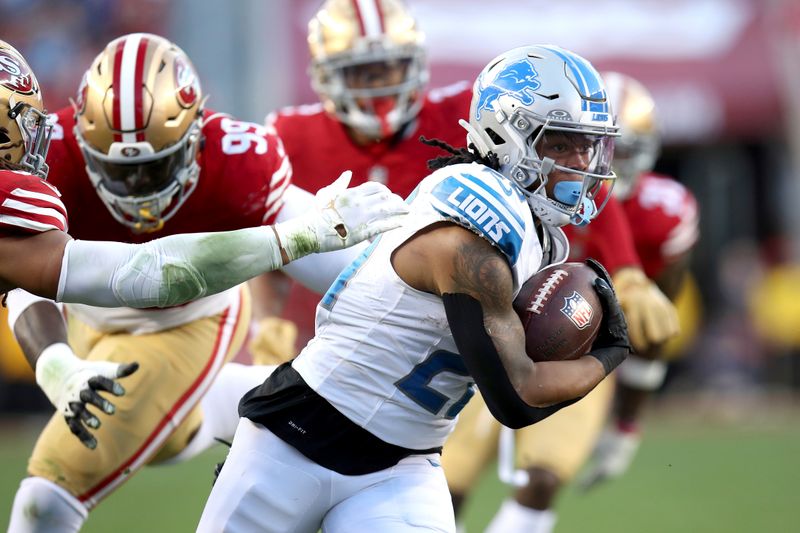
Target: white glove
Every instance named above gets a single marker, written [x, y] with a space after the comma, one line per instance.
[651, 316]
[342, 217]
[71, 383]
[612, 455]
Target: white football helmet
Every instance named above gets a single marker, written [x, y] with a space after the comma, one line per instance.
[525, 94]
[368, 64]
[24, 132]
[137, 121]
[639, 144]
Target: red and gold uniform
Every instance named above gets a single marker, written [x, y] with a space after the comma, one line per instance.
[28, 205]
[243, 175]
[318, 146]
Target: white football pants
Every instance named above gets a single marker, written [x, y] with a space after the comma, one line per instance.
[268, 486]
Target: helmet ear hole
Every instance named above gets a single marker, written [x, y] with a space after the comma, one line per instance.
[496, 139]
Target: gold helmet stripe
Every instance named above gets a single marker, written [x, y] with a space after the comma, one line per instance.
[370, 17]
[128, 84]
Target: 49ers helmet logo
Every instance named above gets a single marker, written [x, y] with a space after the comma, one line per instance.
[187, 83]
[16, 75]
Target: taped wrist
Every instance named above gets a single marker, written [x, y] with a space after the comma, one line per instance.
[18, 301]
[55, 362]
[465, 316]
[297, 237]
[610, 356]
[642, 374]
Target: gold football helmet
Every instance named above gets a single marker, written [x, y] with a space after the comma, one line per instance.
[137, 120]
[24, 132]
[636, 150]
[368, 64]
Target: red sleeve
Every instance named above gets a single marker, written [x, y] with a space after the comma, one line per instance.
[665, 221]
[608, 238]
[28, 205]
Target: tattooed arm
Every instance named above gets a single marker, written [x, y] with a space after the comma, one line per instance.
[473, 278]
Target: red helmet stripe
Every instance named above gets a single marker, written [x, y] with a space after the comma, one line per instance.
[360, 19]
[130, 86]
[370, 17]
[138, 92]
[115, 90]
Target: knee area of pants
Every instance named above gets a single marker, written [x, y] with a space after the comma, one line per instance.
[41, 498]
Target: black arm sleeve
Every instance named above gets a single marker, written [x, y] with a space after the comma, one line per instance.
[465, 316]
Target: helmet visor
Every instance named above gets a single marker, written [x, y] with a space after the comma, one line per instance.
[585, 153]
[140, 179]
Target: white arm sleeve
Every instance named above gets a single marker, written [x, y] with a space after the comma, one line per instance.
[316, 271]
[167, 271]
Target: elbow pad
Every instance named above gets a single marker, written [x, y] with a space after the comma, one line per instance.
[465, 316]
[110, 274]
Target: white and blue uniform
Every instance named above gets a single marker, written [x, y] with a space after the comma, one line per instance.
[384, 357]
[383, 353]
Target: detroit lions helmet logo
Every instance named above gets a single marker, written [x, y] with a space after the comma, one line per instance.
[517, 80]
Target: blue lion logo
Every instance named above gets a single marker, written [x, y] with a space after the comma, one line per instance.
[517, 80]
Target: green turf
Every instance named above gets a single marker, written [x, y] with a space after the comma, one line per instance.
[690, 476]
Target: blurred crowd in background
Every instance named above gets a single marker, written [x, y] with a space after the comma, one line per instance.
[725, 74]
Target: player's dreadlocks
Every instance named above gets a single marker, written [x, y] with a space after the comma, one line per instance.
[459, 155]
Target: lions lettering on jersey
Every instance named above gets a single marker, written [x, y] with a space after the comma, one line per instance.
[482, 205]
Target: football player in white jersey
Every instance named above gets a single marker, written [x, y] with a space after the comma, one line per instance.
[36, 254]
[347, 436]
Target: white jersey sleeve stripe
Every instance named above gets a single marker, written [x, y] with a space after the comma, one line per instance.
[26, 223]
[22, 193]
[34, 210]
[683, 236]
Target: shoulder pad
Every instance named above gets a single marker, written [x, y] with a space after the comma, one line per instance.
[484, 201]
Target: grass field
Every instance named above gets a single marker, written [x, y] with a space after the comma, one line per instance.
[693, 474]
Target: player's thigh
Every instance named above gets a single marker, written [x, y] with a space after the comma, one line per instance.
[471, 445]
[176, 368]
[562, 442]
[411, 496]
[266, 486]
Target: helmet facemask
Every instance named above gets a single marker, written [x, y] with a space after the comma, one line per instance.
[35, 135]
[376, 92]
[581, 159]
[144, 192]
[139, 129]
[24, 131]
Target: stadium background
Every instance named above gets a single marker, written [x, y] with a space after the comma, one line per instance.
[722, 443]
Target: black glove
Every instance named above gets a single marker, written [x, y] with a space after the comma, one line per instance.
[612, 345]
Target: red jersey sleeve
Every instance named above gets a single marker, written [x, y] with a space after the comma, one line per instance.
[608, 238]
[28, 205]
[665, 221]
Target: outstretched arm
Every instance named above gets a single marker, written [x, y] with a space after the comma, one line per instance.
[179, 268]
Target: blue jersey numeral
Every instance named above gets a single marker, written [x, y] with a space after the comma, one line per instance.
[416, 385]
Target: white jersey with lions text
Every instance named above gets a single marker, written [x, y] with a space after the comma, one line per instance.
[383, 353]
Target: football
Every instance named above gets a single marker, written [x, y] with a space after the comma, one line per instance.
[560, 311]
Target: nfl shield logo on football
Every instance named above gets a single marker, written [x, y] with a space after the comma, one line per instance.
[578, 310]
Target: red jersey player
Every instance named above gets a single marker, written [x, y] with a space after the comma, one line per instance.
[369, 69]
[140, 159]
